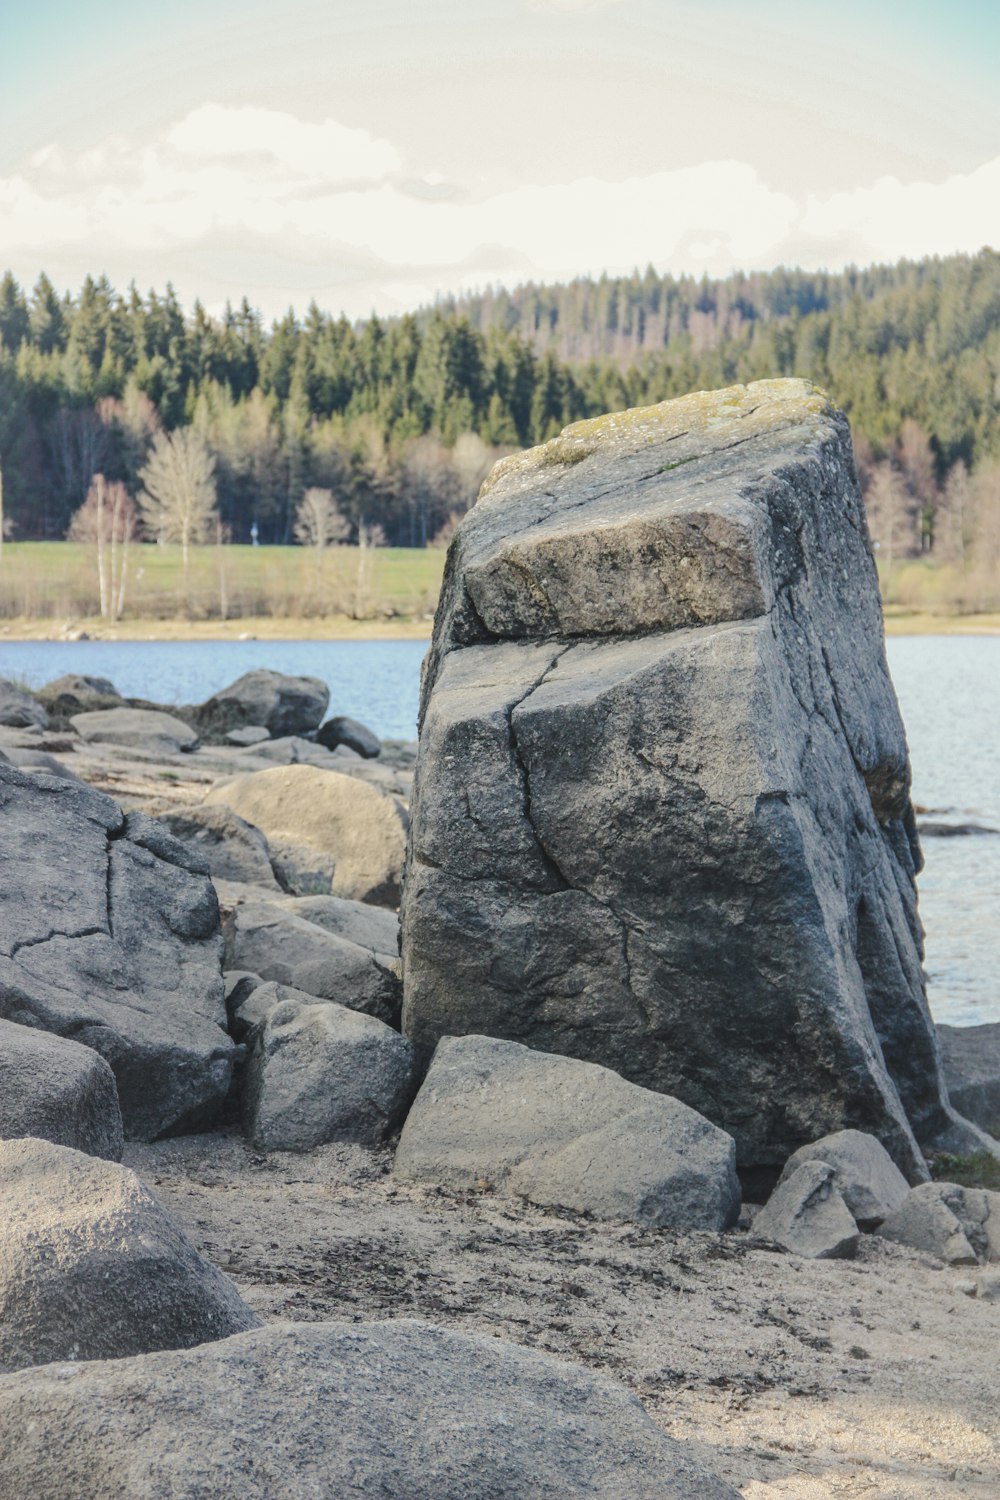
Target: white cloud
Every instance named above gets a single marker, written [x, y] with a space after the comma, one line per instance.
[228, 201]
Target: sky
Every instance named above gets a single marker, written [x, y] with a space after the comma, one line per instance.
[375, 156]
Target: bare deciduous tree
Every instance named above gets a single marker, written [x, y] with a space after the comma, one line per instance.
[889, 518]
[107, 519]
[319, 522]
[177, 502]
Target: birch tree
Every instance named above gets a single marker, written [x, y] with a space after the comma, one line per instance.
[177, 501]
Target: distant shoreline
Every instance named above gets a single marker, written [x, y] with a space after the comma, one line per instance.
[342, 628]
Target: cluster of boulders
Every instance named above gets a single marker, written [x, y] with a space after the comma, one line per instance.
[658, 931]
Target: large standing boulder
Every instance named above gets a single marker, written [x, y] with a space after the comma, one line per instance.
[92, 1268]
[58, 1091]
[138, 728]
[20, 710]
[281, 704]
[321, 1073]
[566, 1134]
[109, 934]
[399, 1410]
[661, 817]
[278, 945]
[971, 1057]
[326, 831]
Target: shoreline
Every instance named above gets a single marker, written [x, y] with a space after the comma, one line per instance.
[259, 628]
[343, 628]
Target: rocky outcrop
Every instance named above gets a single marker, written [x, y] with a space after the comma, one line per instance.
[399, 1410]
[279, 945]
[971, 1057]
[109, 934]
[320, 1073]
[76, 693]
[807, 1215]
[57, 1091]
[565, 1134]
[272, 700]
[867, 1178]
[138, 728]
[92, 1268]
[328, 833]
[661, 818]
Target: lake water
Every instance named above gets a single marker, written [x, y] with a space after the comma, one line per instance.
[948, 687]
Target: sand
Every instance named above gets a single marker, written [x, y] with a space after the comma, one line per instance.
[794, 1379]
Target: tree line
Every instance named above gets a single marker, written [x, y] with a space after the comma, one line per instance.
[397, 420]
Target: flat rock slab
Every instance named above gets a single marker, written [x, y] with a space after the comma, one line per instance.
[328, 826]
[661, 817]
[566, 1134]
[867, 1178]
[277, 944]
[91, 1267]
[58, 1091]
[137, 728]
[320, 1072]
[806, 1214]
[109, 934]
[401, 1410]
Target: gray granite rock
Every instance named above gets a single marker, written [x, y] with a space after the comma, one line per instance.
[109, 934]
[92, 1268]
[398, 1410]
[320, 1072]
[20, 709]
[329, 833]
[566, 1134]
[807, 1215]
[232, 848]
[971, 1057]
[356, 736]
[959, 1225]
[59, 1091]
[279, 703]
[137, 728]
[865, 1175]
[661, 818]
[274, 943]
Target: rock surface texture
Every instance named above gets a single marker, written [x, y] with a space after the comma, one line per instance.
[400, 1410]
[566, 1134]
[321, 1073]
[661, 817]
[109, 934]
[92, 1268]
[58, 1091]
[140, 728]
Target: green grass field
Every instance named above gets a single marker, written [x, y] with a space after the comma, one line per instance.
[58, 580]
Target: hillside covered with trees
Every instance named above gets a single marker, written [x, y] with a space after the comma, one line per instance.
[396, 421]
